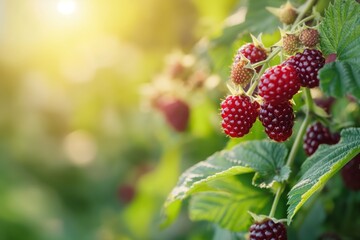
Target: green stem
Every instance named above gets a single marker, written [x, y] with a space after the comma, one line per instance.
[262, 70]
[302, 21]
[276, 200]
[297, 143]
[309, 101]
[310, 106]
[307, 7]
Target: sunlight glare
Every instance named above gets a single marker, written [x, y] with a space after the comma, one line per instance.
[66, 7]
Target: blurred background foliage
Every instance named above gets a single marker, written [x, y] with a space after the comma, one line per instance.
[87, 150]
[75, 142]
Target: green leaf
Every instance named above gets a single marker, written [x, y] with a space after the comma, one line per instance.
[340, 78]
[340, 34]
[264, 157]
[228, 204]
[321, 166]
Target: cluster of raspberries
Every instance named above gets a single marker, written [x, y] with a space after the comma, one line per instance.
[277, 86]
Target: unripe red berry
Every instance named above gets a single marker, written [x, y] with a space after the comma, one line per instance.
[309, 37]
[290, 43]
[253, 53]
[288, 14]
[240, 74]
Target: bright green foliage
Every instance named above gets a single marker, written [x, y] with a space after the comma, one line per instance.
[339, 34]
[265, 158]
[228, 203]
[321, 166]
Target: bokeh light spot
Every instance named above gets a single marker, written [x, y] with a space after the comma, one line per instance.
[80, 147]
[66, 7]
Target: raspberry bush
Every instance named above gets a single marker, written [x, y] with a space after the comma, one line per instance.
[285, 150]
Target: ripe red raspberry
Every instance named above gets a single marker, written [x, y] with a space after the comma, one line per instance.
[317, 134]
[278, 120]
[238, 114]
[351, 174]
[307, 65]
[251, 52]
[241, 75]
[309, 37]
[279, 83]
[290, 43]
[267, 230]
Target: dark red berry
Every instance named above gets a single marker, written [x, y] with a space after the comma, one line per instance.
[351, 174]
[176, 112]
[238, 114]
[307, 65]
[252, 53]
[279, 84]
[278, 120]
[317, 134]
[240, 74]
[267, 230]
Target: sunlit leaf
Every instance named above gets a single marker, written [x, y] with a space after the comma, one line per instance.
[228, 204]
[321, 166]
[339, 34]
[264, 157]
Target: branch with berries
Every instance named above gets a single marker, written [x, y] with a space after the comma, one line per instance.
[314, 58]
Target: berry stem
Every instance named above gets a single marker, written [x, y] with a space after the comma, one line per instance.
[262, 70]
[276, 200]
[310, 104]
[302, 21]
[307, 6]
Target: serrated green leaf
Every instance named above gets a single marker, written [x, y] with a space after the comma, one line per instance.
[340, 34]
[339, 78]
[321, 166]
[264, 157]
[340, 31]
[266, 179]
[228, 204]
